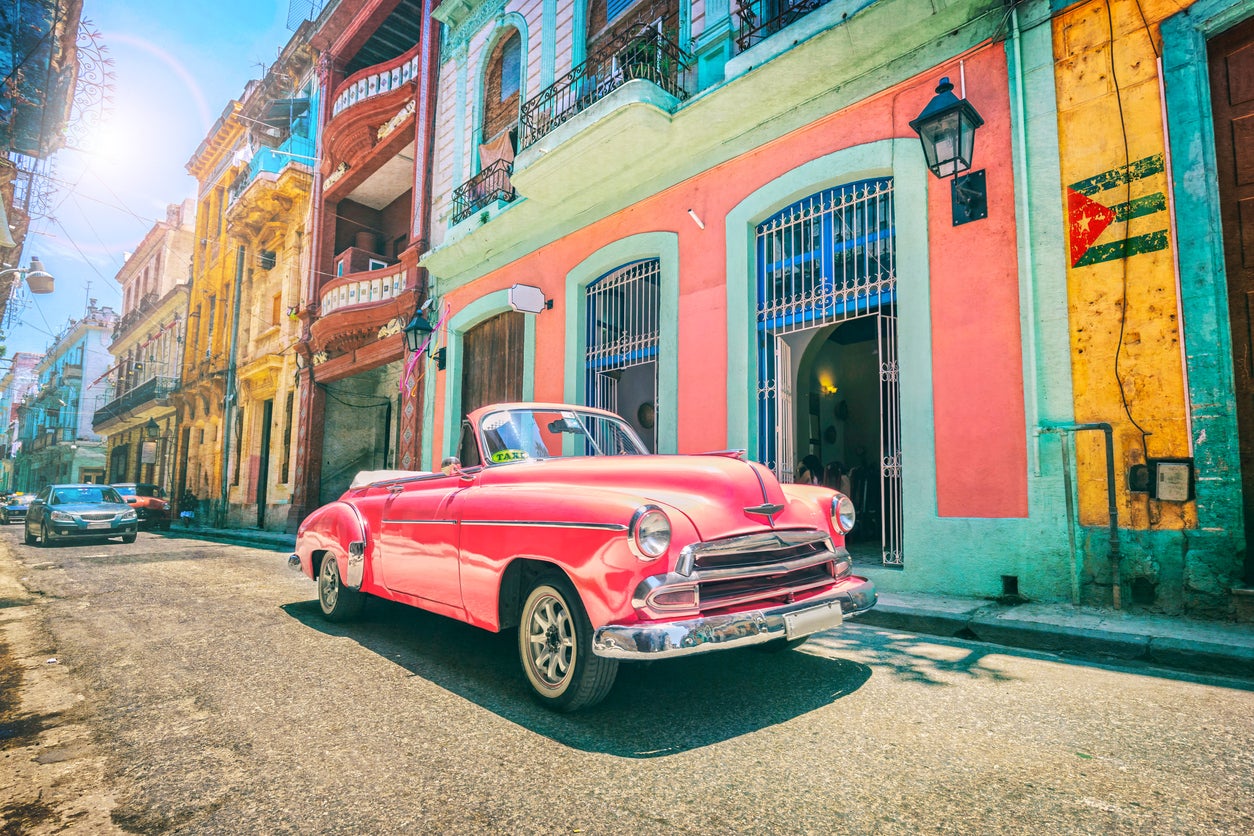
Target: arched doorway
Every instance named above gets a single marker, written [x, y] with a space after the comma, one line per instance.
[826, 304]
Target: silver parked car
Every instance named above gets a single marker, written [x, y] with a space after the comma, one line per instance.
[78, 511]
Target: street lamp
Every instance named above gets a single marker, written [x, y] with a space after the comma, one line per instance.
[946, 128]
[39, 280]
[151, 429]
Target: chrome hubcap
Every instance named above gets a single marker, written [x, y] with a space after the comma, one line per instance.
[330, 585]
[552, 640]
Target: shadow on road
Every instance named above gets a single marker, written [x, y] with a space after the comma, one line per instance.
[655, 709]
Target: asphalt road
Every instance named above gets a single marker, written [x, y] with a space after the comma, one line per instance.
[208, 696]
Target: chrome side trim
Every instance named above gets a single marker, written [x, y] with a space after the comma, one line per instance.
[684, 637]
[550, 524]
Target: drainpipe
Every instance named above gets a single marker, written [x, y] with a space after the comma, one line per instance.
[228, 400]
[1112, 505]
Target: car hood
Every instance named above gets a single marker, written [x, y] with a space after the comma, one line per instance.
[721, 495]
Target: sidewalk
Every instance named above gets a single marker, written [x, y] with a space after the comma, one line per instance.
[276, 540]
[1166, 641]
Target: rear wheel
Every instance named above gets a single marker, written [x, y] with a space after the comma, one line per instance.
[338, 602]
[555, 647]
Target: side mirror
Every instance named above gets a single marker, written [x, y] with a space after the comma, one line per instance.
[451, 466]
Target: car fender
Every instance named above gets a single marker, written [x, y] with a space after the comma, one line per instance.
[338, 529]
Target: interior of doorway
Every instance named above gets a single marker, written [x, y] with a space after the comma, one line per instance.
[836, 405]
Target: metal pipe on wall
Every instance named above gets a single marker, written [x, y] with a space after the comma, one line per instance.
[1115, 554]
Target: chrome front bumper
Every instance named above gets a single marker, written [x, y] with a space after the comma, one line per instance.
[661, 640]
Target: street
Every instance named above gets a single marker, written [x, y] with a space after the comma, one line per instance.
[177, 685]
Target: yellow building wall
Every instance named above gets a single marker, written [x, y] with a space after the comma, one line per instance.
[1126, 360]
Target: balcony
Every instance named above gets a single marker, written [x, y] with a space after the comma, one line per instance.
[485, 188]
[360, 303]
[759, 19]
[643, 53]
[152, 389]
[295, 150]
[375, 81]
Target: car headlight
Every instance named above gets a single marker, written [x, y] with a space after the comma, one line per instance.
[62, 517]
[650, 532]
[129, 516]
[165, 506]
[843, 515]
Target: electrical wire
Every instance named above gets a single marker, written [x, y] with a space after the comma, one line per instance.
[1123, 305]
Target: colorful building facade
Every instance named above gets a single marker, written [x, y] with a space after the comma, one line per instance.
[58, 442]
[728, 218]
[359, 403]
[267, 220]
[134, 413]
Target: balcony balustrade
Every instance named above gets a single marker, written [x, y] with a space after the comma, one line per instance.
[489, 185]
[375, 81]
[759, 19]
[152, 389]
[640, 53]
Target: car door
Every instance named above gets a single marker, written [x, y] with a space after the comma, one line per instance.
[36, 510]
[421, 540]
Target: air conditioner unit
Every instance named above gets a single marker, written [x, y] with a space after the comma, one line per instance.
[268, 258]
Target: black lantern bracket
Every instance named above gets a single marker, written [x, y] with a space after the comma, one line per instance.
[968, 197]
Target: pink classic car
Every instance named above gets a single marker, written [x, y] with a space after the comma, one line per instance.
[554, 519]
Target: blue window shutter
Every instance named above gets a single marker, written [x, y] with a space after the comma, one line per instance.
[614, 8]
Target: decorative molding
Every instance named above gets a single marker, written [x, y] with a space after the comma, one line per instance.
[340, 171]
[464, 19]
[392, 326]
[396, 121]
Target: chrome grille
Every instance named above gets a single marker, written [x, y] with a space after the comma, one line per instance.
[96, 516]
[770, 567]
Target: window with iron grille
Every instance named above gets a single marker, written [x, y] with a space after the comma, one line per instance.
[622, 332]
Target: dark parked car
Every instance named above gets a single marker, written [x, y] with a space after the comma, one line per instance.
[149, 502]
[77, 511]
[14, 508]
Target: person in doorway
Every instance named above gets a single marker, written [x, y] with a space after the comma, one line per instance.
[837, 478]
[809, 471]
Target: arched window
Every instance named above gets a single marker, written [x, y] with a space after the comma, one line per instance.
[501, 90]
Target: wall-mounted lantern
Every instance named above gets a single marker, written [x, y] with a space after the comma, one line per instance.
[151, 429]
[946, 129]
[418, 331]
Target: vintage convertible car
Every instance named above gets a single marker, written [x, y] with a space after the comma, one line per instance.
[555, 519]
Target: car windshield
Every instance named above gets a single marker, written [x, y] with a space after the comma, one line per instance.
[87, 493]
[511, 435]
[125, 490]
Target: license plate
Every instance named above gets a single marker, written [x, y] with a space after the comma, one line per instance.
[105, 524]
[816, 619]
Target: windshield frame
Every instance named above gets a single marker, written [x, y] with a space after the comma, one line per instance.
[583, 433]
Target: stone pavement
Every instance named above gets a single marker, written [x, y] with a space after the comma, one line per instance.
[1166, 641]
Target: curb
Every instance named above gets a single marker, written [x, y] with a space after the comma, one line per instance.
[1195, 647]
[247, 537]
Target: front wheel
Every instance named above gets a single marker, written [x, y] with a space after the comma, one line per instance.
[338, 602]
[128, 538]
[45, 536]
[27, 536]
[555, 647]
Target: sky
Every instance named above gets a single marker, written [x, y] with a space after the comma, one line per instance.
[176, 65]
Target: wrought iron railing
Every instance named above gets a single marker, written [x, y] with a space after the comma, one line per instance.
[489, 185]
[759, 19]
[640, 53]
[154, 388]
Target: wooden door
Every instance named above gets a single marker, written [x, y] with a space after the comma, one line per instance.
[492, 361]
[1232, 100]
